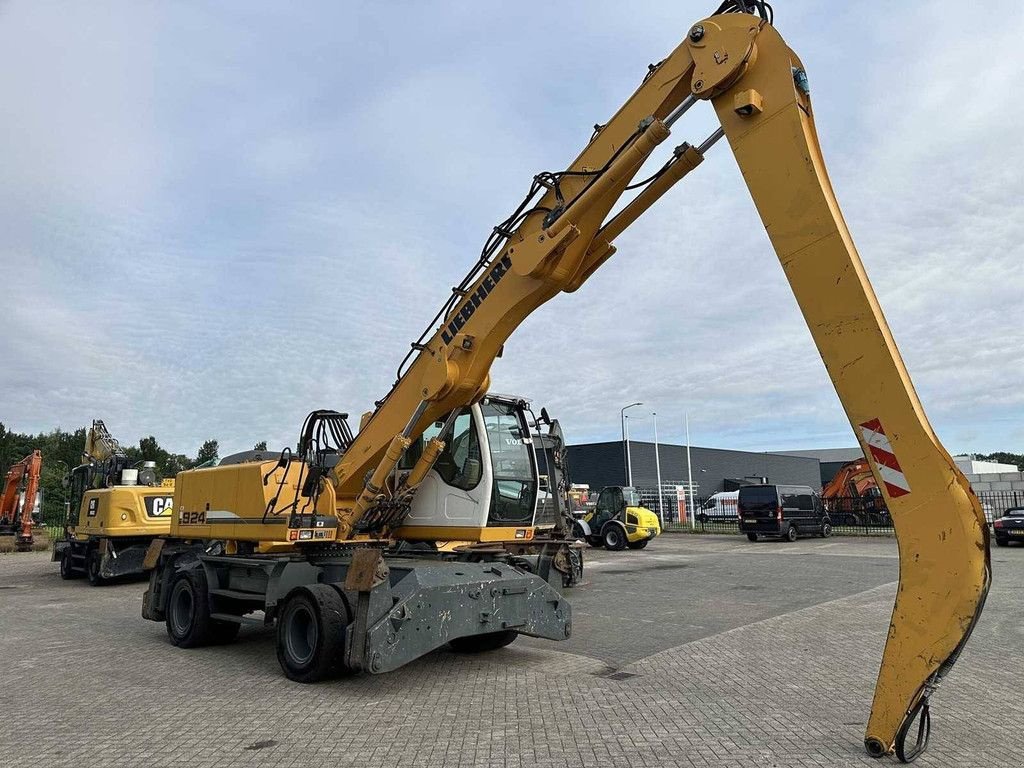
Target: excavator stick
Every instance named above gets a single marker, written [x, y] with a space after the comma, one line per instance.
[764, 106]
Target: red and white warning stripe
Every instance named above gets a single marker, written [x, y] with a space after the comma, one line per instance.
[885, 458]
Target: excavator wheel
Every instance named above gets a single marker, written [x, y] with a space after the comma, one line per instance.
[67, 567]
[311, 634]
[492, 641]
[93, 561]
[639, 544]
[189, 624]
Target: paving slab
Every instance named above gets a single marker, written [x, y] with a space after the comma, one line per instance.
[698, 651]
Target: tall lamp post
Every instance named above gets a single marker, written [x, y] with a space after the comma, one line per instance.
[625, 443]
[689, 472]
[657, 464]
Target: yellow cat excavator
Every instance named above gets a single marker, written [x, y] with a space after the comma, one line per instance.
[353, 593]
[114, 512]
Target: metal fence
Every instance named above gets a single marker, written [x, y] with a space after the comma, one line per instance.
[863, 516]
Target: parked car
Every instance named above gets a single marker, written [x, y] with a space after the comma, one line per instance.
[720, 506]
[783, 511]
[1009, 527]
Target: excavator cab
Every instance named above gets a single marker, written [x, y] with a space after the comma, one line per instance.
[484, 486]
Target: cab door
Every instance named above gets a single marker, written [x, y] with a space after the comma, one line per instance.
[513, 464]
[456, 492]
[610, 505]
[80, 483]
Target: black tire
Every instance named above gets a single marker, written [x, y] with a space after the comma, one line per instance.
[492, 641]
[93, 561]
[67, 568]
[751, 537]
[1002, 542]
[595, 541]
[826, 528]
[791, 533]
[311, 634]
[188, 613]
[614, 538]
[639, 544]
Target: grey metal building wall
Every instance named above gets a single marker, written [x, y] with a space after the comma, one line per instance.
[601, 464]
[830, 469]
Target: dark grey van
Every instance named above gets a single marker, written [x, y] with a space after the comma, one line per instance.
[784, 511]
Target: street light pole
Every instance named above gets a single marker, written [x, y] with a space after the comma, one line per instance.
[657, 464]
[625, 442]
[689, 471]
[629, 458]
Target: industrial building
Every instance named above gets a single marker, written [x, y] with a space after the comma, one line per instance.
[983, 475]
[713, 469]
[830, 460]
[717, 469]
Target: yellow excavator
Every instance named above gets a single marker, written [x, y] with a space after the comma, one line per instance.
[361, 588]
[114, 512]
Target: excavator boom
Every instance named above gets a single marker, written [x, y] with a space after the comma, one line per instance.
[759, 90]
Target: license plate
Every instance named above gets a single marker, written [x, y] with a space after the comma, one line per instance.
[1017, 532]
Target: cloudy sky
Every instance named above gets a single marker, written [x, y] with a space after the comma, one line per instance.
[215, 217]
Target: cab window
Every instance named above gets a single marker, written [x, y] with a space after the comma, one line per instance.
[459, 463]
[631, 497]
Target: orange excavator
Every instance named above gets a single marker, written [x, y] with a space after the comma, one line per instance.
[852, 497]
[19, 499]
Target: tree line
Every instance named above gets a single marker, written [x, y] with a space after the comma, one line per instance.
[62, 452]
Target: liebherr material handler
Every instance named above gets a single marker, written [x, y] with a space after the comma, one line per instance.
[341, 602]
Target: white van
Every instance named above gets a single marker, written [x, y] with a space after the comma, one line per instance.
[722, 505]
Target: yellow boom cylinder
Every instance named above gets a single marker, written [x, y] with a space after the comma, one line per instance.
[374, 487]
[419, 471]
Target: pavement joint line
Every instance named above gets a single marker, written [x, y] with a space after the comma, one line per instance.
[769, 620]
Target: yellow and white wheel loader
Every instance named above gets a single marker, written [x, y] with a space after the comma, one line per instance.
[618, 520]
